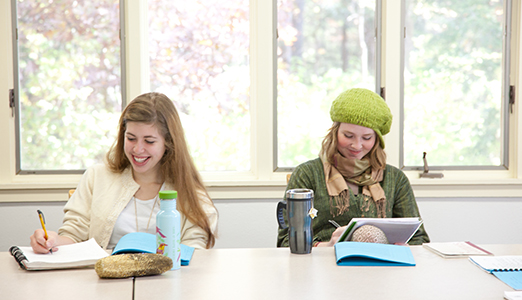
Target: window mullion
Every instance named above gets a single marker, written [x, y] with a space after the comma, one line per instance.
[262, 60]
[7, 154]
[393, 33]
[136, 48]
[506, 79]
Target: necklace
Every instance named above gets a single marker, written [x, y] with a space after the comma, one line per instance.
[150, 217]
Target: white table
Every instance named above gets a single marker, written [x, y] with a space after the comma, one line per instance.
[77, 284]
[270, 273]
[274, 273]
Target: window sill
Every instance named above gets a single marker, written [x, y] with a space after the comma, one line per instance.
[437, 188]
[274, 189]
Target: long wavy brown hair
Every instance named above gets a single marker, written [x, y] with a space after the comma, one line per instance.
[376, 156]
[177, 166]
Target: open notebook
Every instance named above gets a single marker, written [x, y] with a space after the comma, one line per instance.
[397, 230]
[507, 268]
[86, 254]
[76, 255]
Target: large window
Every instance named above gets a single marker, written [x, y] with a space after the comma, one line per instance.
[456, 80]
[199, 57]
[324, 47]
[254, 81]
[68, 82]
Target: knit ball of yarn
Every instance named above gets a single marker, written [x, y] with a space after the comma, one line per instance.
[369, 234]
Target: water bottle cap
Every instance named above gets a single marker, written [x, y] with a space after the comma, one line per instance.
[299, 194]
[168, 194]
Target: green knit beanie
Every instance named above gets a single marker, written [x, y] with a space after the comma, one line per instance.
[364, 108]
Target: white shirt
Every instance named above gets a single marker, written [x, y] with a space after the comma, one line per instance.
[102, 195]
[146, 218]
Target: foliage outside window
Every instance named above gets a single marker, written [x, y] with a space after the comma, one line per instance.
[324, 48]
[69, 82]
[70, 78]
[453, 83]
[199, 57]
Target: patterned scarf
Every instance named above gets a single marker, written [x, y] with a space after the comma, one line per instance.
[357, 171]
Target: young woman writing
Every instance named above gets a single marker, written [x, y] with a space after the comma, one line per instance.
[121, 196]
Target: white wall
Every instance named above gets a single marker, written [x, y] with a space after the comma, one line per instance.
[481, 220]
[252, 223]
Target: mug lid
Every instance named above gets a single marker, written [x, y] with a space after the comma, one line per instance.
[299, 194]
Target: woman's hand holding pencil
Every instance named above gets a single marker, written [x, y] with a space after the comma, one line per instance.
[44, 241]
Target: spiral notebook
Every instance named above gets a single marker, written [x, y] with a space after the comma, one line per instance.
[78, 255]
[506, 268]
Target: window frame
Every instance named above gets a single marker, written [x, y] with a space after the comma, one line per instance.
[16, 89]
[262, 182]
[507, 76]
[377, 88]
[455, 183]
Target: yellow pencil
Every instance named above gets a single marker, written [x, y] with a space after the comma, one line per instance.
[42, 220]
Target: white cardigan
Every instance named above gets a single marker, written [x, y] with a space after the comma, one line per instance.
[101, 196]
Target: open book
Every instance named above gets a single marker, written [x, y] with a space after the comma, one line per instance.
[372, 254]
[397, 230]
[141, 242]
[506, 268]
[456, 249]
[76, 255]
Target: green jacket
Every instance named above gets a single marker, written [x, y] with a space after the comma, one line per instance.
[400, 202]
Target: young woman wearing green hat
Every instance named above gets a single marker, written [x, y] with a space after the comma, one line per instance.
[350, 178]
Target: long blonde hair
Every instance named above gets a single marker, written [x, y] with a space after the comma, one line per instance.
[376, 156]
[177, 166]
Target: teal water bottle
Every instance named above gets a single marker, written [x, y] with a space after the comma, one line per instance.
[168, 228]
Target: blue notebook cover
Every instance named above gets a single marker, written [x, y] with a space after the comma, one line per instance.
[371, 254]
[511, 278]
[507, 268]
[141, 242]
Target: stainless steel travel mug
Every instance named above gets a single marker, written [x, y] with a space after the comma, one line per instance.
[298, 204]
